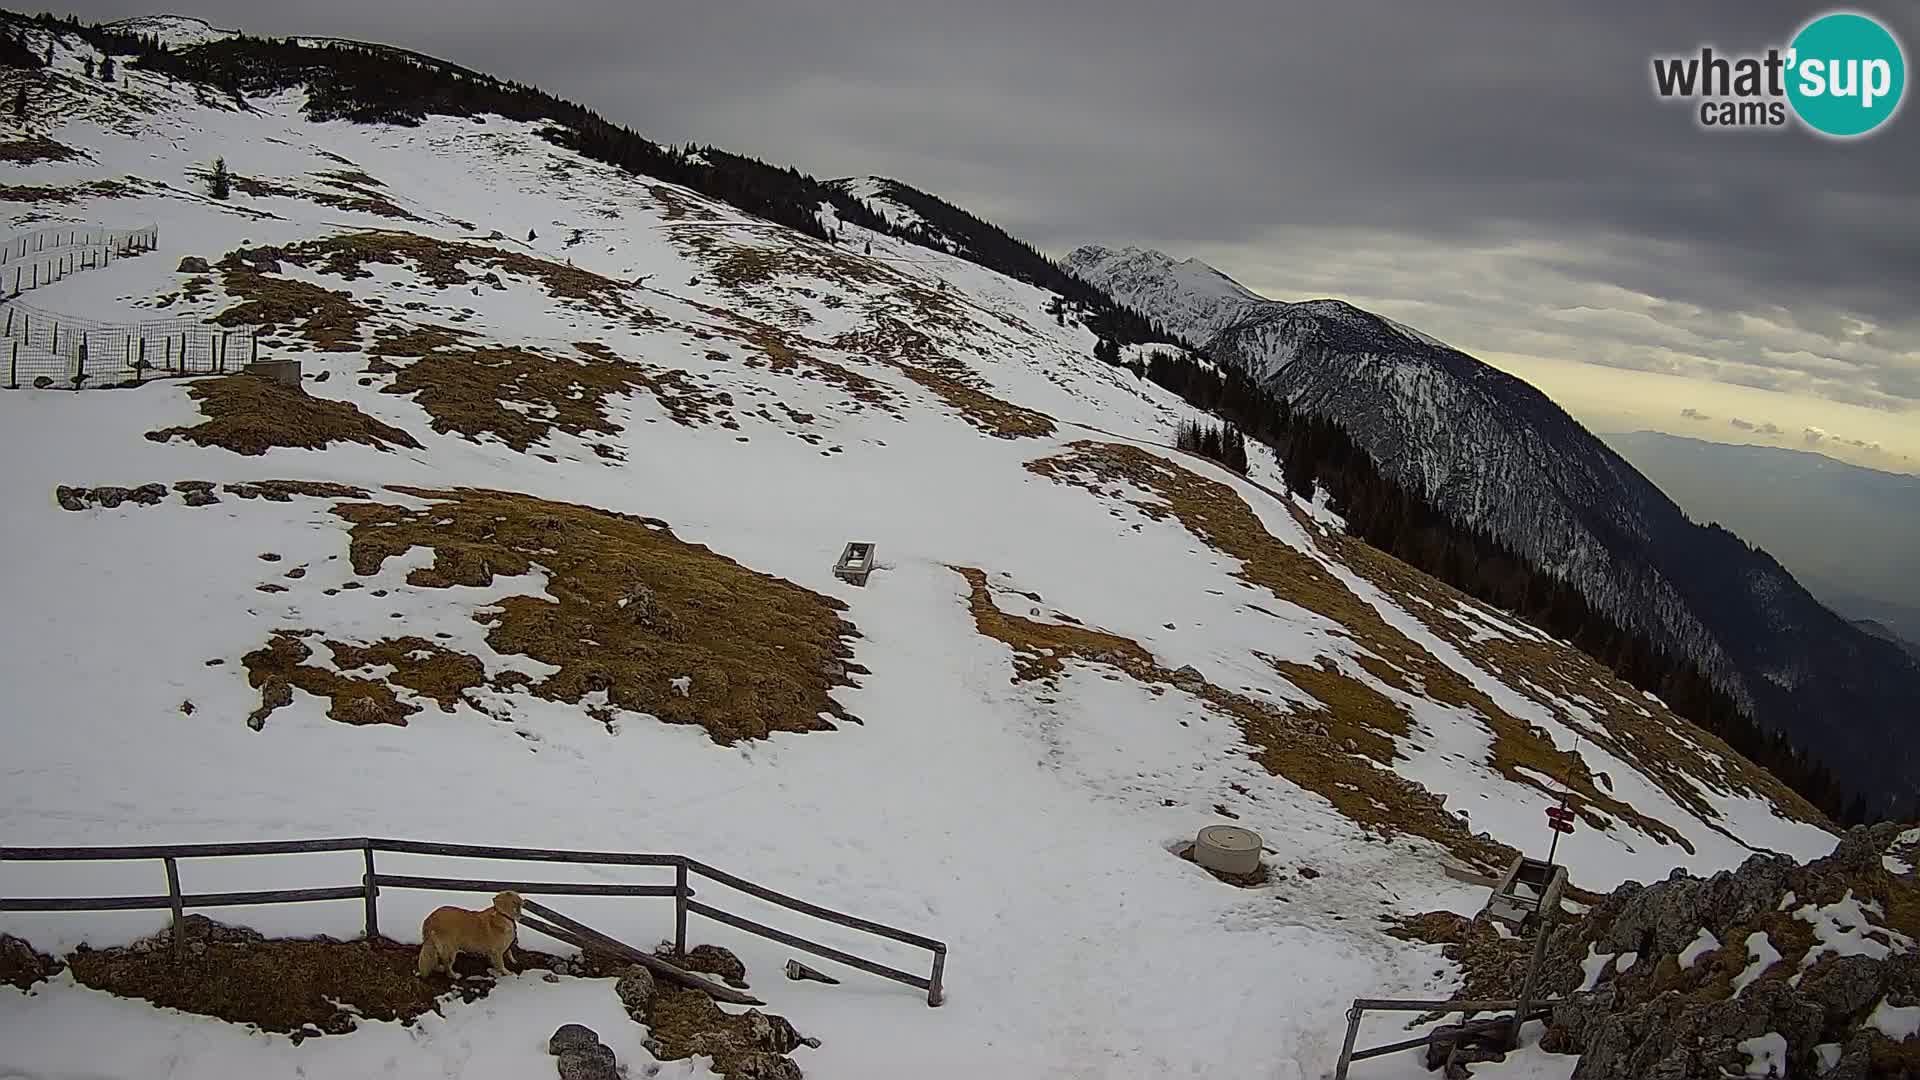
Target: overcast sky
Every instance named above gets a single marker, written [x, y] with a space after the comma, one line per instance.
[1499, 175]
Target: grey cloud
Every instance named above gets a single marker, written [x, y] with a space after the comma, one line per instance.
[1768, 429]
[1694, 414]
[1415, 154]
[1743, 425]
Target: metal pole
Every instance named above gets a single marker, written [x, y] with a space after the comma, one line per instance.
[934, 994]
[1346, 1051]
[373, 894]
[680, 908]
[13, 368]
[179, 914]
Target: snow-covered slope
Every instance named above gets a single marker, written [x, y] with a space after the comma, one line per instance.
[576, 453]
[1496, 455]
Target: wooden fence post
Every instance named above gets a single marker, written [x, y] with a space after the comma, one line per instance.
[179, 913]
[680, 908]
[934, 994]
[372, 888]
[13, 368]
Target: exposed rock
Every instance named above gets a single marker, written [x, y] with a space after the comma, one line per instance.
[571, 1037]
[199, 498]
[715, 960]
[636, 991]
[71, 498]
[194, 264]
[193, 485]
[594, 1062]
[149, 494]
[110, 497]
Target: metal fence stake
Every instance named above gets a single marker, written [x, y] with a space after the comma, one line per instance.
[179, 913]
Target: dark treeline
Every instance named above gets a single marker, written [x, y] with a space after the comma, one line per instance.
[1318, 454]
[1223, 444]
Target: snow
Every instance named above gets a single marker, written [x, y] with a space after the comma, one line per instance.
[1026, 825]
[1701, 945]
[1826, 1056]
[1896, 1022]
[1766, 1055]
[1593, 967]
[1845, 928]
[1626, 961]
[1761, 955]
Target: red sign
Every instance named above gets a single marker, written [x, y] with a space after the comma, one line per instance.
[1560, 813]
[1560, 826]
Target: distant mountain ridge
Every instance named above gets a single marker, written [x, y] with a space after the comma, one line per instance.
[1498, 456]
[1850, 534]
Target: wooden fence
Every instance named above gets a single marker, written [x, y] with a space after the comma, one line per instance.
[372, 882]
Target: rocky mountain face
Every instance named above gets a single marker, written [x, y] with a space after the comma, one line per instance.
[1808, 970]
[1495, 454]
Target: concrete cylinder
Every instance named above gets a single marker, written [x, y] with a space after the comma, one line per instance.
[1227, 849]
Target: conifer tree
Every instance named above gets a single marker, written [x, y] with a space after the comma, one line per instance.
[220, 184]
[89, 67]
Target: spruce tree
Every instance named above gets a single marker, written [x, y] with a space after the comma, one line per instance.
[89, 67]
[106, 68]
[20, 104]
[220, 184]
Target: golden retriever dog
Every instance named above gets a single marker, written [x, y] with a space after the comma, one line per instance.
[450, 931]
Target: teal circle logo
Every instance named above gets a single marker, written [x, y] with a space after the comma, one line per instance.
[1846, 74]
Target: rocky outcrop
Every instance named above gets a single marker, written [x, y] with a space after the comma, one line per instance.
[1774, 965]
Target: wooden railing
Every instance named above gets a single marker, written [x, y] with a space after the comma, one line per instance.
[372, 882]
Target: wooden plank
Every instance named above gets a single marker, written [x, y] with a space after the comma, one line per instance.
[1405, 1005]
[481, 851]
[850, 921]
[538, 888]
[815, 948]
[177, 851]
[161, 903]
[179, 913]
[370, 888]
[595, 941]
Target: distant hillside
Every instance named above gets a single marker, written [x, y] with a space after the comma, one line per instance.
[1499, 458]
[1850, 534]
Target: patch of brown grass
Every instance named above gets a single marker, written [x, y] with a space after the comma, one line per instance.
[418, 664]
[681, 205]
[466, 389]
[250, 414]
[1306, 754]
[282, 663]
[356, 198]
[295, 986]
[1666, 748]
[787, 353]
[444, 264]
[40, 193]
[35, 148]
[331, 320]
[630, 608]
[915, 354]
[1215, 514]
